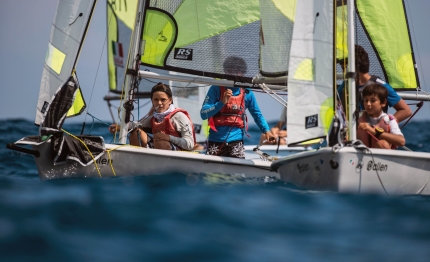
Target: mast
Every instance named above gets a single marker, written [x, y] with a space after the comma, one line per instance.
[84, 34]
[133, 63]
[351, 75]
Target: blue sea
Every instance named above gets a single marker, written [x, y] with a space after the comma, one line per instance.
[216, 218]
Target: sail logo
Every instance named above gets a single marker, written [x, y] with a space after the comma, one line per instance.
[302, 168]
[183, 54]
[118, 54]
[44, 107]
[376, 166]
[311, 121]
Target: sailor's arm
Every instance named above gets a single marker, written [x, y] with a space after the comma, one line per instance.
[183, 125]
[397, 140]
[143, 122]
[403, 111]
[211, 105]
[254, 109]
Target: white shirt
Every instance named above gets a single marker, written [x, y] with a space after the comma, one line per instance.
[394, 126]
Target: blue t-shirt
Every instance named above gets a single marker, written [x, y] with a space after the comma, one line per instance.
[213, 105]
[393, 97]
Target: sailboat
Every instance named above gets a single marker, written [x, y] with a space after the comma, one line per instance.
[324, 29]
[189, 91]
[188, 37]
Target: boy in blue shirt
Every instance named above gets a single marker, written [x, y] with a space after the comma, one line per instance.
[224, 107]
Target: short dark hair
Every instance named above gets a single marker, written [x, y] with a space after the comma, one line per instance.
[234, 64]
[160, 87]
[376, 89]
[361, 59]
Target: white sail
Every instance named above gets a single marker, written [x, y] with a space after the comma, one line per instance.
[67, 34]
[310, 72]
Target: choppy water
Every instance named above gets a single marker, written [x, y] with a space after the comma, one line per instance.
[211, 218]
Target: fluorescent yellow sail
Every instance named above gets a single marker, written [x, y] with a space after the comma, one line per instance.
[78, 104]
[159, 37]
[389, 35]
[197, 21]
[305, 70]
[120, 21]
[287, 7]
[341, 32]
[55, 58]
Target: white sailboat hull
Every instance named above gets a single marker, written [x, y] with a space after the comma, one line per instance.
[132, 161]
[391, 172]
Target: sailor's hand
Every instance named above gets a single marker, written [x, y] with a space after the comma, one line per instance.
[278, 133]
[114, 128]
[366, 127]
[161, 136]
[275, 131]
[270, 137]
[282, 133]
[226, 96]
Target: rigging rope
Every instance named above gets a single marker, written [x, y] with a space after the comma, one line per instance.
[411, 24]
[82, 142]
[419, 105]
[357, 144]
[97, 71]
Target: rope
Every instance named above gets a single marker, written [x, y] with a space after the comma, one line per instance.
[275, 96]
[94, 117]
[82, 142]
[377, 173]
[98, 67]
[419, 105]
[359, 145]
[377, 140]
[110, 162]
[110, 158]
[411, 24]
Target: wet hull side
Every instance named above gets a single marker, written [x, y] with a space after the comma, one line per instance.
[352, 170]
